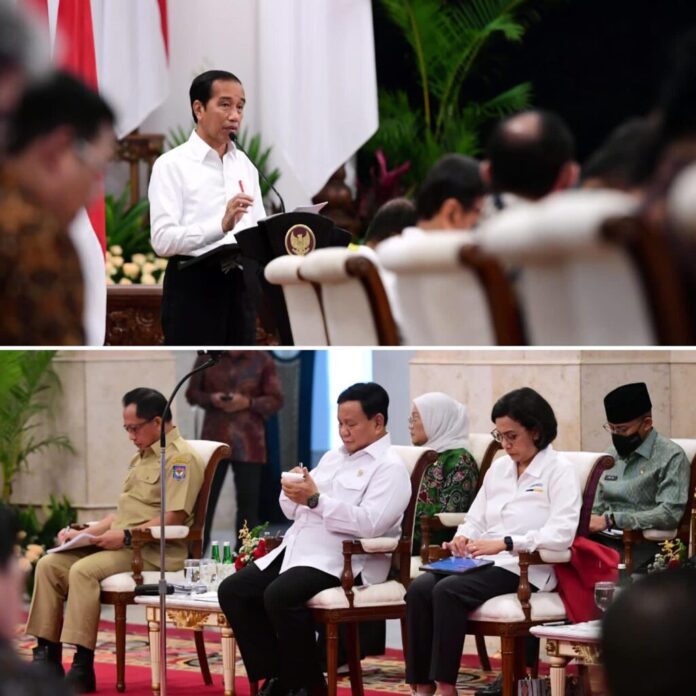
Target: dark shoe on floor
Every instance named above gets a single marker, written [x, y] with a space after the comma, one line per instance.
[81, 677]
[272, 687]
[49, 656]
[495, 688]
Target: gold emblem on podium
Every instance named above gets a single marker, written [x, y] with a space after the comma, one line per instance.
[300, 240]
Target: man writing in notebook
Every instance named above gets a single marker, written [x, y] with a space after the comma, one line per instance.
[73, 576]
[201, 193]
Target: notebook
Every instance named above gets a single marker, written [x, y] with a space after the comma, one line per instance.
[454, 565]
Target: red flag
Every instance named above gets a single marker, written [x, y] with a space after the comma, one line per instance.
[75, 28]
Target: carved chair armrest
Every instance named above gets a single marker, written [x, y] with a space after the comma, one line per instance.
[140, 537]
[636, 536]
[436, 523]
[378, 545]
[524, 589]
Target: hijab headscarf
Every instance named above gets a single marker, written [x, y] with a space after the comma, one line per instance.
[445, 421]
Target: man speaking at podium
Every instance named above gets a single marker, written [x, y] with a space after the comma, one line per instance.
[201, 193]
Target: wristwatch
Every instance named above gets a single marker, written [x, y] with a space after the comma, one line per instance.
[313, 501]
[508, 543]
[127, 538]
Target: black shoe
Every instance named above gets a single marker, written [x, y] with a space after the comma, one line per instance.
[81, 676]
[495, 688]
[272, 687]
[49, 656]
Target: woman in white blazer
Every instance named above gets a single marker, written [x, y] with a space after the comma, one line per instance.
[530, 499]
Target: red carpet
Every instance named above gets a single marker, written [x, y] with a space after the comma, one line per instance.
[382, 675]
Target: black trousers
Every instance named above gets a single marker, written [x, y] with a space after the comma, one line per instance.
[247, 483]
[203, 306]
[643, 553]
[438, 608]
[275, 631]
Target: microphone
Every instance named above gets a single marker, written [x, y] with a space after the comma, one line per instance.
[233, 138]
[215, 355]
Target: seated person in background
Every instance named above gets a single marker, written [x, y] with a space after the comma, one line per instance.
[615, 164]
[73, 577]
[451, 196]
[17, 678]
[528, 156]
[390, 220]
[439, 422]
[648, 486]
[649, 636]
[529, 500]
[359, 490]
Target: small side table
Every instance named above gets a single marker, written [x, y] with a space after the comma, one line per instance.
[186, 612]
[565, 643]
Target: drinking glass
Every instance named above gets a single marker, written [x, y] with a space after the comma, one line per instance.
[604, 594]
[209, 573]
[192, 571]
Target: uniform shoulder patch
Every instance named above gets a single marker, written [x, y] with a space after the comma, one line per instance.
[179, 466]
[179, 472]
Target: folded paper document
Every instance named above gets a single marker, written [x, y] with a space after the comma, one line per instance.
[77, 542]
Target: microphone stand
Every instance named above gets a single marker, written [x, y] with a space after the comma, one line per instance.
[162, 585]
[233, 138]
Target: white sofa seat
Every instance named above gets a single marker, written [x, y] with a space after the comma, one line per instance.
[546, 606]
[123, 582]
[391, 592]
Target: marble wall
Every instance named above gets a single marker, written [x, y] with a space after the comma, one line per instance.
[573, 381]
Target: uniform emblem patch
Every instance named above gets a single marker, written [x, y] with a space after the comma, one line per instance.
[179, 472]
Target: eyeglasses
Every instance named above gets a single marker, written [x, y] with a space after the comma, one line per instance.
[622, 429]
[135, 429]
[91, 156]
[412, 420]
[509, 437]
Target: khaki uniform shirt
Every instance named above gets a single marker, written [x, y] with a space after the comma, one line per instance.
[140, 499]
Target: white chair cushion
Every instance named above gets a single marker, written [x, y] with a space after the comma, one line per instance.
[123, 582]
[451, 519]
[416, 563]
[555, 556]
[409, 455]
[171, 531]
[379, 544]
[546, 606]
[391, 592]
[659, 534]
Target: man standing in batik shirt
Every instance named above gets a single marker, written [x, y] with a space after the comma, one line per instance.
[238, 395]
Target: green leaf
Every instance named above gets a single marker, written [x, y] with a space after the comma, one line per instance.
[23, 406]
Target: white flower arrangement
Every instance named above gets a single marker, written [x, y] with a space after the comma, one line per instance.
[145, 269]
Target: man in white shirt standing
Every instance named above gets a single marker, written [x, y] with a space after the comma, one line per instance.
[201, 193]
[358, 490]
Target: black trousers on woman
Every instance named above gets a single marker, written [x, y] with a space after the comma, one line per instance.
[274, 629]
[438, 608]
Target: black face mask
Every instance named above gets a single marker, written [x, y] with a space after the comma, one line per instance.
[625, 444]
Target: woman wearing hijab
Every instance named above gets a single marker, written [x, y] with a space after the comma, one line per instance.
[439, 422]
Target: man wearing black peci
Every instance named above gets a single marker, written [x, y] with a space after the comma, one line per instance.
[201, 193]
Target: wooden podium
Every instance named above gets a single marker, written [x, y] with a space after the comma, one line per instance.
[297, 234]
